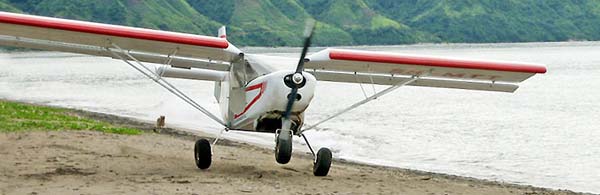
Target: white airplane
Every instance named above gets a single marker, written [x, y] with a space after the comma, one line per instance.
[256, 94]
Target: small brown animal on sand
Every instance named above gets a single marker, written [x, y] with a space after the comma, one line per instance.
[160, 122]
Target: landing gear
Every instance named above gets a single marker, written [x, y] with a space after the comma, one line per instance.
[322, 162]
[283, 146]
[202, 154]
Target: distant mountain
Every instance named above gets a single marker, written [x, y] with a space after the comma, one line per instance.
[497, 21]
[347, 22]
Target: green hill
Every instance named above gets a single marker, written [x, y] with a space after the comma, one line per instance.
[348, 22]
[498, 21]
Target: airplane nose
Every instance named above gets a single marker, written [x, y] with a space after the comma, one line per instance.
[298, 78]
[294, 80]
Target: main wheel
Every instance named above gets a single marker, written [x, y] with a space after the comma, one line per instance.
[202, 154]
[323, 162]
[283, 148]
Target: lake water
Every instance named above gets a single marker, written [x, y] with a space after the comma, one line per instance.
[545, 134]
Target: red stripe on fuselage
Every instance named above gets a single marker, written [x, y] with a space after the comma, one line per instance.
[112, 30]
[260, 86]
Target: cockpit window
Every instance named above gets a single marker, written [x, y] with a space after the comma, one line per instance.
[243, 73]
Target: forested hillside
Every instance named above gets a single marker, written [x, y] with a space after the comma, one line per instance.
[341, 22]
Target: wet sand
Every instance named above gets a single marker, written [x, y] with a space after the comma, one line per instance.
[85, 162]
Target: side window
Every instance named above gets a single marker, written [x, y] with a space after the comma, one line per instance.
[243, 73]
[250, 73]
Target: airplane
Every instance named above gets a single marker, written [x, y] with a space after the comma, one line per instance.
[254, 93]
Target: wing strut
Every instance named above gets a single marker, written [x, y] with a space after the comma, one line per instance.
[162, 82]
[370, 98]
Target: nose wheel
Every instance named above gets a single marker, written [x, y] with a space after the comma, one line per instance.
[283, 146]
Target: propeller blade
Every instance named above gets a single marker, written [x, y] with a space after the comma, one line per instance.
[308, 33]
[290, 103]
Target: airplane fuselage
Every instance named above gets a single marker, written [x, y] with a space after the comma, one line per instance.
[263, 101]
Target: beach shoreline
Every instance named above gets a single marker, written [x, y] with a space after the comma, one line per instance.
[161, 161]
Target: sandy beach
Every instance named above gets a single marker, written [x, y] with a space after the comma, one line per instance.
[88, 162]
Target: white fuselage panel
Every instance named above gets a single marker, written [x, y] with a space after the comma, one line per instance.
[268, 95]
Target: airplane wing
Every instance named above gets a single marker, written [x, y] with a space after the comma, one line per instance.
[341, 65]
[154, 46]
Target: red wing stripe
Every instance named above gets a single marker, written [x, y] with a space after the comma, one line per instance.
[431, 61]
[260, 86]
[112, 30]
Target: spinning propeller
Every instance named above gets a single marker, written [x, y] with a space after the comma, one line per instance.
[283, 140]
[297, 80]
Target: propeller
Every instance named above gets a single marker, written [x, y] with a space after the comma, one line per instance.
[297, 80]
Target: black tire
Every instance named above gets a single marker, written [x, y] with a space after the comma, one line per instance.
[323, 162]
[283, 150]
[202, 154]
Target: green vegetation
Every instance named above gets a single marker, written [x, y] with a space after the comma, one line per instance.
[348, 22]
[7, 7]
[497, 21]
[22, 117]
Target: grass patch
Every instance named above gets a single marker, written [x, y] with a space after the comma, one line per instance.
[16, 117]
